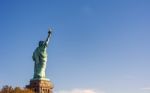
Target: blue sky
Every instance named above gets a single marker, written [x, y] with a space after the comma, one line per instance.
[102, 45]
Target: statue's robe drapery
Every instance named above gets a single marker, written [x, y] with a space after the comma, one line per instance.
[40, 59]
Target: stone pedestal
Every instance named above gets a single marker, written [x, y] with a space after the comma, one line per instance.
[40, 86]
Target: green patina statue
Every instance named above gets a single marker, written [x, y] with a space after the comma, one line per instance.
[40, 58]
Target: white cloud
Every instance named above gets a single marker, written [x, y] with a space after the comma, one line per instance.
[79, 91]
[146, 88]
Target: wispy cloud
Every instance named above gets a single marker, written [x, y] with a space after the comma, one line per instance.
[87, 10]
[79, 91]
[146, 88]
[129, 76]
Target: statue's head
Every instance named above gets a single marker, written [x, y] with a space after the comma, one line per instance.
[41, 43]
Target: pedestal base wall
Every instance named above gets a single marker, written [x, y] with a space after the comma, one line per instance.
[40, 86]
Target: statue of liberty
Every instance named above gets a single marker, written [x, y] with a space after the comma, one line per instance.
[40, 58]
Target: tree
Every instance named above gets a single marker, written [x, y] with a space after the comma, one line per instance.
[9, 89]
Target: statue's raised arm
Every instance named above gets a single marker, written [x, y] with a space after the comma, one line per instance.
[48, 37]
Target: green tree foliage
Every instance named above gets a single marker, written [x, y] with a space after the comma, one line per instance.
[9, 89]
